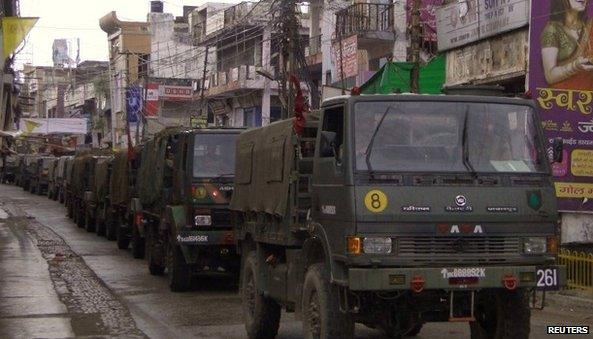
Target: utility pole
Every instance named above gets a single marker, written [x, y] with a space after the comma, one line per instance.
[204, 72]
[289, 27]
[416, 40]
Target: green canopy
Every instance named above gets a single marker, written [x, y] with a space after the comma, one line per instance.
[396, 75]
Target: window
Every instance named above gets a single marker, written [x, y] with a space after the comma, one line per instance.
[252, 116]
[333, 121]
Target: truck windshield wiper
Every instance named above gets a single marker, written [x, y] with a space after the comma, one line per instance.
[224, 175]
[464, 145]
[369, 149]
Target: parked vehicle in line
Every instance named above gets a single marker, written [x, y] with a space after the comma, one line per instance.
[9, 169]
[408, 209]
[60, 176]
[27, 168]
[96, 199]
[185, 184]
[51, 179]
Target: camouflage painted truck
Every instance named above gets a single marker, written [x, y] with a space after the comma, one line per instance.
[185, 186]
[409, 209]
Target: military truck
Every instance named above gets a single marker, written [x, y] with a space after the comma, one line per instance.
[9, 169]
[67, 186]
[60, 178]
[408, 209]
[96, 199]
[27, 168]
[39, 177]
[122, 190]
[185, 185]
[51, 179]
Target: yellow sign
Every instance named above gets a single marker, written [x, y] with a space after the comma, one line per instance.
[574, 190]
[581, 164]
[375, 201]
[15, 29]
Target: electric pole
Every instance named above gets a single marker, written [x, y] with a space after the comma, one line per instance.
[416, 41]
[288, 24]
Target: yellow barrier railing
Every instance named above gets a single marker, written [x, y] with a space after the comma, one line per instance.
[579, 269]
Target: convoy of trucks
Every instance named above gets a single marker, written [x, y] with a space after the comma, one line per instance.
[386, 210]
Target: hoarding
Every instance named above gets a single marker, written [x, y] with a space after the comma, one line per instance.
[466, 21]
[53, 126]
[561, 81]
[345, 59]
[427, 17]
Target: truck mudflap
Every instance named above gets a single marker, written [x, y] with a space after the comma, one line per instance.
[545, 277]
[190, 237]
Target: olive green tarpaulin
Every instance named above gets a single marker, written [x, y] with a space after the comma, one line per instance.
[263, 164]
[119, 184]
[151, 172]
[101, 179]
[394, 76]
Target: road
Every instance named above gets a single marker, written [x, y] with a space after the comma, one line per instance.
[57, 281]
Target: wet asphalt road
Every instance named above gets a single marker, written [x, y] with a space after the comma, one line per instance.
[57, 280]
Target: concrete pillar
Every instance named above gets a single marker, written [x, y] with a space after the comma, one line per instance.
[265, 100]
[400, 45]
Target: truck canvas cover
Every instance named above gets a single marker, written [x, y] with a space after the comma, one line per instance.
[263, 166]
[119, 185]
[101, 180]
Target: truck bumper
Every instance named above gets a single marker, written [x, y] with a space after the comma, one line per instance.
[454, 278]
[205, 238]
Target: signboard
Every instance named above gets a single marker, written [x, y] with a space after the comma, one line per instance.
[176, 93]
[347, 58]
[53, 126]
[466, 21]
[133, 103]
[563, 90]
[151, 108]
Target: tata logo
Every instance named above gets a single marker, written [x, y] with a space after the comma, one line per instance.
[460, 200]
[460, 229]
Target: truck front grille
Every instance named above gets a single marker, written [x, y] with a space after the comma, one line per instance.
[452, 249]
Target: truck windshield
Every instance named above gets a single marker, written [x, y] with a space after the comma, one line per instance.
[427, 136]
[214, 155]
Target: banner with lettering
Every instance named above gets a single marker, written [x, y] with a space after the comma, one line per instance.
[561, 81]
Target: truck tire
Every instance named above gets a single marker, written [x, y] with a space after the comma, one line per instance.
[80, 216]
[39, 190]
[504, 315]
[414, 331]
[260, 314]
[100, 226]
[89, 221]
[154, 254]
[111, 227]
[69, 210]
[123, 241]
[179, 273]
[61, 197]
[31, 188]
[137, 244]
[322, 317]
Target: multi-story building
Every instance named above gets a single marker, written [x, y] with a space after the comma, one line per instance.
[129, 54]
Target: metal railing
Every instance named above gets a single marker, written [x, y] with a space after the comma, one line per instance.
[360, 18]
[579, 269]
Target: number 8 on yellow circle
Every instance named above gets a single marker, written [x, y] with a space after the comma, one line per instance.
[375, 201]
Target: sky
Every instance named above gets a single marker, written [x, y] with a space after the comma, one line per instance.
[72, 19]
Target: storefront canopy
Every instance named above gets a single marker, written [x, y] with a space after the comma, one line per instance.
[395, 76]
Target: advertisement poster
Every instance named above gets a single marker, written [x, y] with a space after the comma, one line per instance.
[347, 60]
[561, 81]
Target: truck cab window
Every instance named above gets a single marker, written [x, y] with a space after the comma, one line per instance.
[333, 121]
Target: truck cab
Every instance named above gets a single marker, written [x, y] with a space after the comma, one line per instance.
[190, 223]
[422, 208]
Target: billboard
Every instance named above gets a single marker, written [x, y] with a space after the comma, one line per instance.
[561, 81]
[347, 58]
[465, 21]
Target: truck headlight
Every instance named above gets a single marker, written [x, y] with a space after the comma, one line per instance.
[535, 245]
[203, 220]
[376, 245]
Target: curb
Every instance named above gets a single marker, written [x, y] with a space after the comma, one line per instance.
[569, 299]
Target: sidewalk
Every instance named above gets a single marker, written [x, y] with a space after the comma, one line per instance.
[29, 305]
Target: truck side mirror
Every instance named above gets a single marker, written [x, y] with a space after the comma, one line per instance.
[328, 144]
[557, 148]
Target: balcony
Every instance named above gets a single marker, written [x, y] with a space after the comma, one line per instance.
[237, 79]
[368, 20]
[313, 51]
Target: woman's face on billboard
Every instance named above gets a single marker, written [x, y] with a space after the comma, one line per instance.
[578, 5]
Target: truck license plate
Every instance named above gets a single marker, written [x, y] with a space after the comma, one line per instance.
[546, 278]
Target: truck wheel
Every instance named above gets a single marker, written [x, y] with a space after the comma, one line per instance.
[178, 271]
[39, 190]
[100, 226]
[60, 197]
[89, 221]
[137, 244]
[322, 317]
[69, 210]
[154, 254]
[31, 189]
[123, 241]
[111, 227]
[261, 315]
[503, 315]
[414, 331]
[80, 217]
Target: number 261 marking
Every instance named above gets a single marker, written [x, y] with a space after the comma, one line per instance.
[547, 277]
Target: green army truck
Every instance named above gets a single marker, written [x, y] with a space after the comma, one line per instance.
[9, 169]
[185, 186]
[408, 209]
[122, 189]
[96, 199]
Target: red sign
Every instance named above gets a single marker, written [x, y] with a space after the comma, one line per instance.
[345, 57]
[151, 108]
